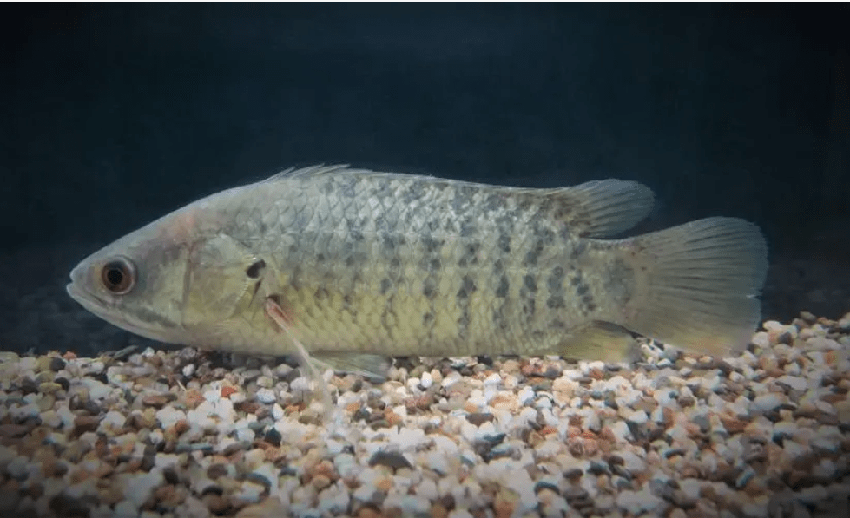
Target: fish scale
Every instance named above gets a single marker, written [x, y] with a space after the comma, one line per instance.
[365, 263]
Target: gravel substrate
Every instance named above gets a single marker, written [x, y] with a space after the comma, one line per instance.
[763, 434]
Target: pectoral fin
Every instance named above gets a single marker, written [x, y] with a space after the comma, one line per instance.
[367, 365]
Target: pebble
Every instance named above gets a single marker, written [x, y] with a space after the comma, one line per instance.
[265, 396]
[766, 402]
[678, 434]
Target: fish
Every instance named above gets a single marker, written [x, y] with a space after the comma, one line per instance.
[351, 266]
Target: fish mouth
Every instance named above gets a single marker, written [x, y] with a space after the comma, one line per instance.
[104, 309]
[96, 305]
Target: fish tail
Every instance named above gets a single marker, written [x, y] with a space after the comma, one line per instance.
[697, 285]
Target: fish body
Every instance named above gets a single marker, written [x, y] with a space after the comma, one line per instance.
[366, 263]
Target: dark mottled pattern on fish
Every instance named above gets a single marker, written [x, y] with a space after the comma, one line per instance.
[406, 238]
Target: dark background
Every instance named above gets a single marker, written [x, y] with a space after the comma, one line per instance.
[113, 115]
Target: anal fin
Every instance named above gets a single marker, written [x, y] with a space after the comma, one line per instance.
[601, 341]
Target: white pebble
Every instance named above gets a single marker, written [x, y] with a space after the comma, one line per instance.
[766, 402]
[126, 508]
[427, 489]
[795, 382]
[140, 487]
[214, 394]
[97, 390]
[166, 460]
[18, 467]
[27, 363]
[445, 444]
[188, 370]
[277, 412]
[437, 462]
[156, 437]
[299, 384]
[427, 380]
[525, 396]
[169, 416]
[266, 396]
[639, 502]
[245, 435]
[761, 339]
[620, 430]
[333, 500]
[493, 379]
[113, 419]
[637, 417]
[632, 461]
[51, 419]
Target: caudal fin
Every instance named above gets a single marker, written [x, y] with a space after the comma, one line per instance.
[698, 284]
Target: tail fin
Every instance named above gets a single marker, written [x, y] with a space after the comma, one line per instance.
[697, 284]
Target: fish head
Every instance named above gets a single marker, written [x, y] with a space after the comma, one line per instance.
[176, 280]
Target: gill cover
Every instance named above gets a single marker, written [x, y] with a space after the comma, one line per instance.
[222, 278]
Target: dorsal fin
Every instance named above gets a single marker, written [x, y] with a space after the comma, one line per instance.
[602, 208]
[314, 170]
[593, 209]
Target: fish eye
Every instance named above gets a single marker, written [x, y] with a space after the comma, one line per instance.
[118, 275]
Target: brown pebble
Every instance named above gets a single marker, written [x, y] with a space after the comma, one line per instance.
[833, 398]
[15, 430]
[217, 504]
[392, 418]
[321, 482]
[49, 387]
[689, 472]
[266, 508]
[86, 423]
[181, 426]
[249, 407]
[647, 404]
[384, 484]
[732, 424]
[418, 403]
[79, 475]
[157, 401]
[438, 511]
[479, 418]
[112, 494]
[273, 454]
[755, 487]
[217, 470]
[505, 503]
[367, 512]
[193, 398]
[169, 495]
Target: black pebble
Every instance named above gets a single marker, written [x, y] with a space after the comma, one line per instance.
[148, 462]
[273, 437]
[28, 386]
[391, 460]
[69, 506]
